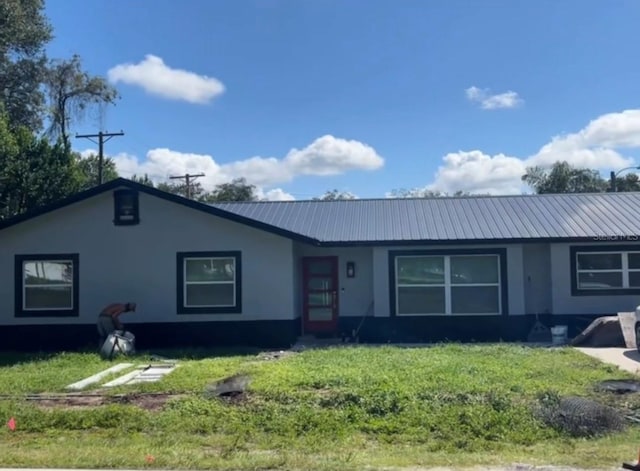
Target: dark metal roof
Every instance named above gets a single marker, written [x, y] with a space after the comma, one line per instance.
[472, 218]
[525, 218]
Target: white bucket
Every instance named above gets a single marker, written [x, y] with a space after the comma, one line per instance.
[559, 334]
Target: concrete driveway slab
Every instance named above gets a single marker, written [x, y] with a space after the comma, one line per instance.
[627, 359]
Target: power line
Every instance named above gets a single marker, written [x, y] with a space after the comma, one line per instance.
[187, 178]
[102, 138]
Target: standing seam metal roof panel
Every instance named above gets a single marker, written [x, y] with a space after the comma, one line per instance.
[452, 218]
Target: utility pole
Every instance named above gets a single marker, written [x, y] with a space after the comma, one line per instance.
[102, 138]
[187, 178]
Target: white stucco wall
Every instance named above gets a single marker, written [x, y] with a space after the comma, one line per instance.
[138, 263]
[354, 294]
[514, 274]
[565, 303]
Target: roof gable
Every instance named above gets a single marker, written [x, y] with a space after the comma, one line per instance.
[125, 183]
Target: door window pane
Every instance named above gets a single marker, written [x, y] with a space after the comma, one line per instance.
[421, 300]
[320, 267]
[320, 299]
[475, 300]
[321, 284]
[600, 261]
[474, 269]
[319, 314]
[420, 270]
[600, 280]
[215, 294]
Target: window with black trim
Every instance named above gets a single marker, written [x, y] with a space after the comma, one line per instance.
[46, 285]
[605, 270]
[126, 208]
[209, 282]
[468, 282]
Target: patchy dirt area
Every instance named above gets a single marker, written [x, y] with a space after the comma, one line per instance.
[148, 401]
[153, 401]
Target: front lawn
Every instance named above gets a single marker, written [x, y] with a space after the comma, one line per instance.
[341, 408]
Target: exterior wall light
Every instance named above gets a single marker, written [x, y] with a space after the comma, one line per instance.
[351, 269]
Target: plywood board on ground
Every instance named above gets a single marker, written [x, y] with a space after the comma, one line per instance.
[627, 324]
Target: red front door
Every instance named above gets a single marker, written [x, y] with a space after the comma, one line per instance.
[320, 294]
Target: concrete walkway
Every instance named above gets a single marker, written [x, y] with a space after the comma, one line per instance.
[627, 359]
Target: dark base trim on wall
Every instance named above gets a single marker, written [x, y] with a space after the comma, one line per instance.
[278, 334]
[427, 329]
[282, 334]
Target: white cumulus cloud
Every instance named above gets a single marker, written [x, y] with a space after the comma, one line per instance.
[599, 146]
[276, 194]
[157, 78]
[487, 101]
[477, 172]
[327, 155]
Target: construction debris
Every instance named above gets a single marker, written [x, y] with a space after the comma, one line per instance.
[581, 417]
[609, 332]
[619, 386]
[231, 386]
[145, 374]
[99, 376]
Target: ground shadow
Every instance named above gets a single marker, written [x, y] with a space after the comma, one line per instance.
[12, 358]
[18, 358]
[632, 355]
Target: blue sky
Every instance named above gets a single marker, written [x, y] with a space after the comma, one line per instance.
[364, 96]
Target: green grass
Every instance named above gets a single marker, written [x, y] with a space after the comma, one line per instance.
[344, 408]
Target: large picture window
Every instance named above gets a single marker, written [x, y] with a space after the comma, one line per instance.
[437, 283]
[46, 285]
[605, 270]
[209, 282]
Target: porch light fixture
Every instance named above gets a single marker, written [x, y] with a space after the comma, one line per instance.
[351, 269]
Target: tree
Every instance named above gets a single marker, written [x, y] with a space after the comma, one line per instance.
[24, 33]
[70, 92]
[630, 182]
[424, 193]
[88, 168]
[564, 178]
[33, 172]
[196, 191]
[334, 195]
[143, 180]
[236, 190]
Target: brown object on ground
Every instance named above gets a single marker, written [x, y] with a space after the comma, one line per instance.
[149, 401]
[602, 332]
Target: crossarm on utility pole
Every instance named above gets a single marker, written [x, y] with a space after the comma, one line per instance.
[102, 138]
[187, 178]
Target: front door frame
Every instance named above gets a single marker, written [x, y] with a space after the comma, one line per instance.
[313, 327]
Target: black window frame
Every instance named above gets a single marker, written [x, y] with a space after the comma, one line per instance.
[501, 253]
[614, 249]
[19, 309]
[118, 197]
[180, 282]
